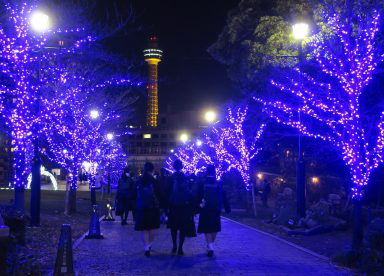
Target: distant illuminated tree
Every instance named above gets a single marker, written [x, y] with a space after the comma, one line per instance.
[234, 146]
[227, 145]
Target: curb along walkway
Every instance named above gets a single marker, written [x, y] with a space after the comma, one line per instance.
[239, 250]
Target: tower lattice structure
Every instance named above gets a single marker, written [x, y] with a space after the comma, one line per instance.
[152, 56]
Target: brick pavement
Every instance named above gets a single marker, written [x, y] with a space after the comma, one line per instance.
[239, 250]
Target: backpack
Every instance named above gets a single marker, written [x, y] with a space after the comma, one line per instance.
[180, 194]
[213, 197]
[146, 198]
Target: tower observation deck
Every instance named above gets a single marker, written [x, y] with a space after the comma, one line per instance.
[152, 56]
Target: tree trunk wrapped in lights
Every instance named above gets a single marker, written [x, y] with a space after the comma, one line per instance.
[328, 100]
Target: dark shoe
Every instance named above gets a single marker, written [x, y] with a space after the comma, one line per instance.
[147, 253]
[210, 253]
[123, 222]
[180, 252]
[174, 249]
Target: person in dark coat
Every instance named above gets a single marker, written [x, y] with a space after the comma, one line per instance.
[180, 205]
[148, 206]
[266, 192]
[124, 196]
[213, 198]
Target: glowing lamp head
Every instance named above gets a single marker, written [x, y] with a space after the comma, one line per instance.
[300, 30]
[210, 116]
[259, 176]
[315, 180]
[199, 143]
[184, 137]
[109, 136]
[94, 114]
[39, 22]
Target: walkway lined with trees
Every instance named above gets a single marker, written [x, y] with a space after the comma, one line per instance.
[239, 249]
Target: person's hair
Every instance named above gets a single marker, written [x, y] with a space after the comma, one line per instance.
[211, 171]
[125, 171]
[148, 167]
[178, 165]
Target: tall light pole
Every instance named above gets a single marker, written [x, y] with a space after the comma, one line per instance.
[300, 31]
[94, 114]
[109, 138]
[39, 23]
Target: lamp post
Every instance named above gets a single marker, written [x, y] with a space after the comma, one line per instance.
[300, 31]
[94, 114]
[39, 23]
[110, 138]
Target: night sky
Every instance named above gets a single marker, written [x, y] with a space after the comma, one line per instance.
[189, 77]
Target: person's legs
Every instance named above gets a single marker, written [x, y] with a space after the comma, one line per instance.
[122, 219]
[214, 237]
[151, 236]
[181, 242]
[210, 244]
[174, 240]
[126, 216]
[146, 240]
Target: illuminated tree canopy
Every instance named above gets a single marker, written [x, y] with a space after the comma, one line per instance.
[328, 99]
[227, 145]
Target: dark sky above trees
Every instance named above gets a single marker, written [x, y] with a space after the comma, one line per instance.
[190, 78]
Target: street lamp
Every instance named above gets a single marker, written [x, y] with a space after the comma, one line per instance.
[94, 114]
[184, 137]
[39, 23]
[210, 116]
[199, 143]
[110, 138]
[300, 31]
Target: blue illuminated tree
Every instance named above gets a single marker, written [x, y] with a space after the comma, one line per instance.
[24, 70]
[329, 101]
[227, 145]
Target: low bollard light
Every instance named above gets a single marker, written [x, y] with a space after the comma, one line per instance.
[109, 215]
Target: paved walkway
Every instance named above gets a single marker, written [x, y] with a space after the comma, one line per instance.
[239, 250]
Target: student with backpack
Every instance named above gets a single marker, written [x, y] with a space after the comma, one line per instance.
[180, 203]
[124, 196]
[148, 207]
[212, 198]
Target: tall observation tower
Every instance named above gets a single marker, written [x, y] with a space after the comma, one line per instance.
[152, 56]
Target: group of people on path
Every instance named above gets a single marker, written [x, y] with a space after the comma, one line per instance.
[177, 196]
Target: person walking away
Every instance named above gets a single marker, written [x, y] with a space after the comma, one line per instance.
[180, 208]
[124, 196]
[148, 207]
[266, 192]
[213, 198]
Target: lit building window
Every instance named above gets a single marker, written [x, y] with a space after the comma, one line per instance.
[147, 136]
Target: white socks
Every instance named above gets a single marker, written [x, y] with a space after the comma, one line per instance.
[210, 246]
[147, 247]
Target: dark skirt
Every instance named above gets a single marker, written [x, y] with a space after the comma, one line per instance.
[181, 218]
[209, 221]
[123, 204]
[147, 219]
